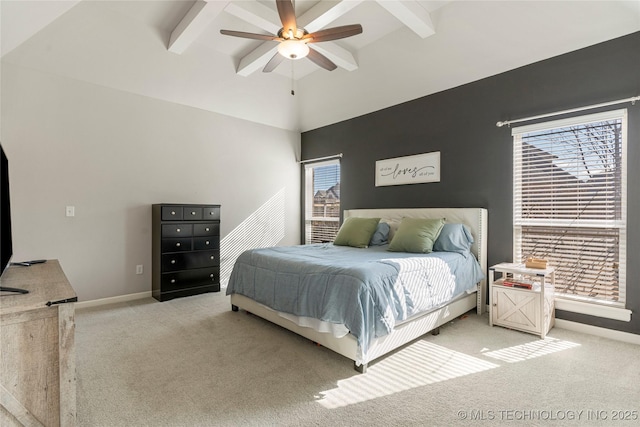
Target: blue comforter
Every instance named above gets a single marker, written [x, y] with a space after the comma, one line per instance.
[367, 290]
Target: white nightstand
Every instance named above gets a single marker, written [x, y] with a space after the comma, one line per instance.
[528, 310]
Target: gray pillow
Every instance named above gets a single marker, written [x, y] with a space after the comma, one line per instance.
[381, 235]
[454, 238]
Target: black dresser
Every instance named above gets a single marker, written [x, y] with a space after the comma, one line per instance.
[186, 250]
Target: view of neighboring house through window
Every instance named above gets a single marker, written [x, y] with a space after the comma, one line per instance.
[570, 203]
[322, 201]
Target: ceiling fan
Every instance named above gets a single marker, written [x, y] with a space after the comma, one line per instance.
[294, 41]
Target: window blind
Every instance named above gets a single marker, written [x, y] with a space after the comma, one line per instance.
[570, 202]
[322, 201]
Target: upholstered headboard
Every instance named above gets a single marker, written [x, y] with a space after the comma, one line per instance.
[474, 218]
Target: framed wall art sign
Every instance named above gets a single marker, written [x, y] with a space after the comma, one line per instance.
[408, 169]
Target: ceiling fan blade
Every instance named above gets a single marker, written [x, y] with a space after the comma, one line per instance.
[249, 35]
[273, 63]
[287, 16]
[333, 33]
[321, 60]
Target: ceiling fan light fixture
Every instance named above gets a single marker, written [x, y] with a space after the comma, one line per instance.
[293, 39]
[293, 49]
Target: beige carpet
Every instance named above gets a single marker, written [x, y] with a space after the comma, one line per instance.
[194, 362]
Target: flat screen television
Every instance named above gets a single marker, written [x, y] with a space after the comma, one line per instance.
[6, 241]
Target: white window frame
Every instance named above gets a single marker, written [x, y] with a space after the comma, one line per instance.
[309, 197]
[584, 305]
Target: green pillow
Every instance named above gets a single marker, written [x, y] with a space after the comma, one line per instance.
[416, 235]
[356, 232]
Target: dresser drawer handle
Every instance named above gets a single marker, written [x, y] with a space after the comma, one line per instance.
[173, 280]
[193, 212]
[173, 261]
[173, 212]
[178, 244]
[207, 229]
[211, 275]
[213, 257]
[207, 243]
[177, 230]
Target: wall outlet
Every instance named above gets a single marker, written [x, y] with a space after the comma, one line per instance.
[139, 269]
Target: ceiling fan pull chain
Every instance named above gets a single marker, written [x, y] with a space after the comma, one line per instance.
[293, 92]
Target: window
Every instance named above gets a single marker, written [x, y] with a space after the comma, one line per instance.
[322, 201]
[570, 203]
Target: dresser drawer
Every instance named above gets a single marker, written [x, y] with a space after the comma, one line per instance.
[177, 244]
[192, 213]
[184, 261]
[177, 230]
[172, 213]
[210, 213]
[190, 278]
[206, 229]
[204, 243]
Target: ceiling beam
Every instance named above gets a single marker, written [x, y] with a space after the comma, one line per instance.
[338, 55]
[257, 59]
[264, 18]
[411, 14]
[257, 14]
[193, 24]
[324, 13]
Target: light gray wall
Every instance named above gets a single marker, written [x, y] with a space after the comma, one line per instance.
[111, 154]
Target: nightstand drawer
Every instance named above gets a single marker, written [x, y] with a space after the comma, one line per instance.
[516, 308]
[177, 230]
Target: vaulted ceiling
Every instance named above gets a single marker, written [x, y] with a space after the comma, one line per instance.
[173, 50]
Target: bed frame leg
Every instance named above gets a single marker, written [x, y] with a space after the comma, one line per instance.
[436, 331]
[234, 307]
[360, 368]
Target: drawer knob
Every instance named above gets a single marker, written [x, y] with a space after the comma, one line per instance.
[207, 243]
[173, 212]
[173, 280]
[213, 257]
[207, 229]
[211, 275]
[178, 244]
[173, 261]
[193, 213]
[177, 230]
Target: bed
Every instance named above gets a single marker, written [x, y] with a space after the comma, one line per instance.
[365, 302]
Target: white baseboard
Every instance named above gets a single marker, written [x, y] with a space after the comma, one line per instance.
[113, 300]
[598, 331]
[598, 310]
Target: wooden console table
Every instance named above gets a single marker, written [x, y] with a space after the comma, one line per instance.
[37, 348]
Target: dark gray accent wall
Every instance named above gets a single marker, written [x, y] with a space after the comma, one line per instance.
[476, 156]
